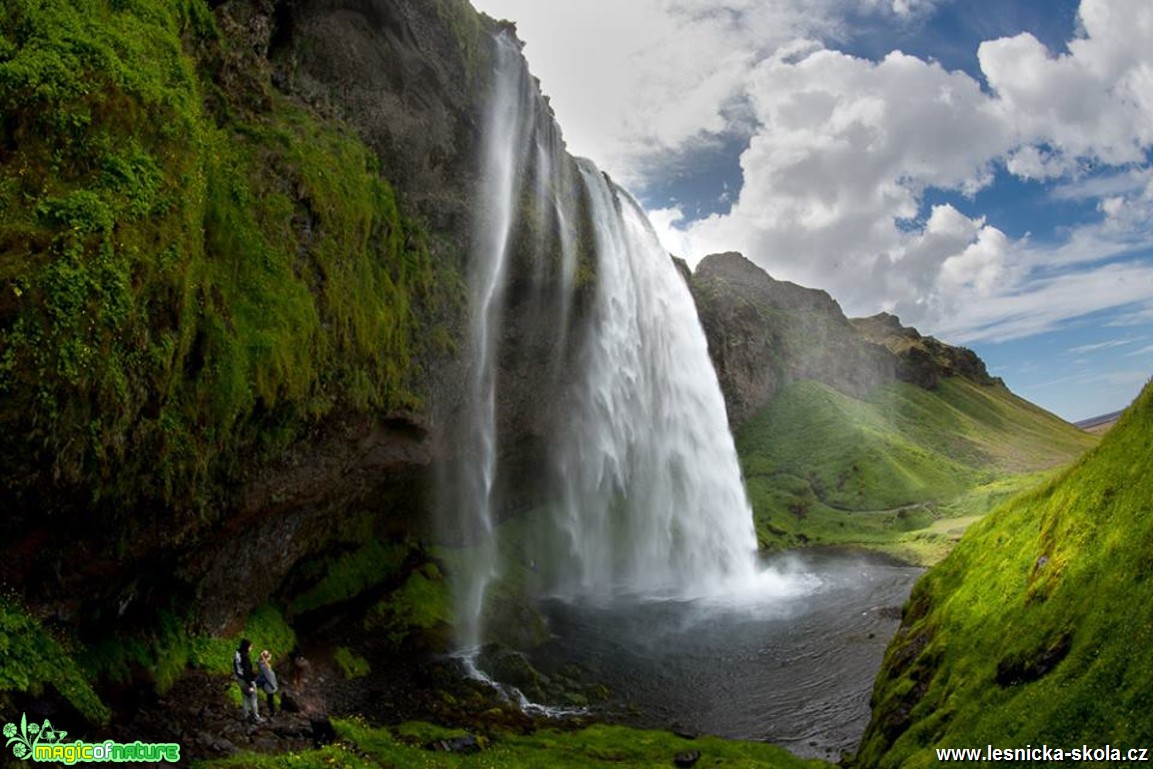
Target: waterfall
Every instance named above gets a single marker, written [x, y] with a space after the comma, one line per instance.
[643, 495]
[653, 501]
[520, 145]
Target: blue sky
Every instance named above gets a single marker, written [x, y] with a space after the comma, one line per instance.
[981, 168]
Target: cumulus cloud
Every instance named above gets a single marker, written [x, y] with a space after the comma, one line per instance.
[1093, 102]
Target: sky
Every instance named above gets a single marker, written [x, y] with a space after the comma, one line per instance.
[981, 168]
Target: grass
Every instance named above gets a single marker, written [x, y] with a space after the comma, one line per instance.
[902, 471]
[403, 747]
[1032, 630]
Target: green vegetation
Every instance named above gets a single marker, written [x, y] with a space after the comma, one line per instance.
[1033, 630]
[404, 747]
[32, 660]
[422, 605]
[164, 652]
[351, 664]
[902, 471]
[192, 269]
[265, 627]
[349, 575]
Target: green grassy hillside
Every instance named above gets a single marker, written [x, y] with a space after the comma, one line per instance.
[1035, 630]
[825, 468]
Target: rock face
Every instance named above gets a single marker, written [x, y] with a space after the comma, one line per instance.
[921, 360]
[764, 333]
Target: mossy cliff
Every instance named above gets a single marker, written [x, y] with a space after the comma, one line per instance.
[1033, 631]
[200, 273]
[765, 334]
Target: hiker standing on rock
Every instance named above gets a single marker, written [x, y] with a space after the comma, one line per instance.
[267, 679]
[246, 678]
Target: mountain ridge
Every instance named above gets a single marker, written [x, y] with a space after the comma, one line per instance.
[764, 333]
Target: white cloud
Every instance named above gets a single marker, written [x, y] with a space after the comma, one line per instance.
[1097, 346]
[1042, 304]
[1093, 102]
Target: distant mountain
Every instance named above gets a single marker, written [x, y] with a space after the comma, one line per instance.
[1032, 631]
[1099, 424]
[764, 333]
[863, 431]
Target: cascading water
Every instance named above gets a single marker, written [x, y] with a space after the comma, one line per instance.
[642, 492]
[653, 503]
[516, 122]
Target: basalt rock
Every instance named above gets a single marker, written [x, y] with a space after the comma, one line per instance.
[921, 360]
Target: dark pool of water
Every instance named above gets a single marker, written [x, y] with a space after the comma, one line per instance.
[794, 667]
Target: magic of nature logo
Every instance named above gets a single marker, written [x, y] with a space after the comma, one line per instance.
[44, 742]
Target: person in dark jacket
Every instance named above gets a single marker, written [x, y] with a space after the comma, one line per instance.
[246, 678]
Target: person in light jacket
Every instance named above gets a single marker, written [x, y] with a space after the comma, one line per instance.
[266, 680]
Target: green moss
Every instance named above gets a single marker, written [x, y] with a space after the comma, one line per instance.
[265, 627]
[163, 652]
[423, 603]
[32, 660]
[182, 286]
[351, 664]
[159, 654]
[1026, 633]
[351, 575]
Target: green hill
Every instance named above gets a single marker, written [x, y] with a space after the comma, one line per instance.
[904, 468]
[1033, 631]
